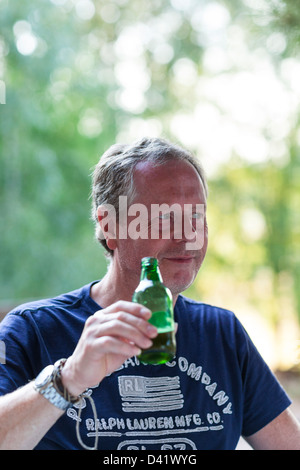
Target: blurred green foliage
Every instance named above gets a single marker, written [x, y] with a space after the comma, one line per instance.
[80, 75]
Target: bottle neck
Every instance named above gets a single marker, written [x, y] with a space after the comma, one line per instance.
[151, 273]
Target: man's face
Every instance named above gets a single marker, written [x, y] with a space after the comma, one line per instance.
[170, 237]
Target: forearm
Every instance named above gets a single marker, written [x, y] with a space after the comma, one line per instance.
[110, 336]
[25, 417]
[283, 433]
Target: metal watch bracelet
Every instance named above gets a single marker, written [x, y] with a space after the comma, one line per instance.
[49, 384]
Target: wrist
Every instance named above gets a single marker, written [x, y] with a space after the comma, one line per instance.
[68, 380]
[48, 383]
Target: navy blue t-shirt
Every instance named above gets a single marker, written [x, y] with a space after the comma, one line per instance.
[216, 388]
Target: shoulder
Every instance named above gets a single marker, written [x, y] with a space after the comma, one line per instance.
[210, 321]
[45, 310]
[61, 300]
[201, 310]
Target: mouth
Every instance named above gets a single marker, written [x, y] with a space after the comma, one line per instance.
[181, 259]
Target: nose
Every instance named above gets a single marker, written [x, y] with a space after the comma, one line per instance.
[183, 229]
[194, 228]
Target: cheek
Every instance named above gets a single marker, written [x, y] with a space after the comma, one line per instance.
[131, 252]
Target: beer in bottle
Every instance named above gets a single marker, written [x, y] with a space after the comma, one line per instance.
[152, 293]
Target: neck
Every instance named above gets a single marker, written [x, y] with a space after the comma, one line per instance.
[113, 287]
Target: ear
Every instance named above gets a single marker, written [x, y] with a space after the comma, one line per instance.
[107, 220]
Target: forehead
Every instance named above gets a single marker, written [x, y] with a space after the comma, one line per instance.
[174, 180]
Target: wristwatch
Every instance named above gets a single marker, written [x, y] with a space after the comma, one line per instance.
[48, 383]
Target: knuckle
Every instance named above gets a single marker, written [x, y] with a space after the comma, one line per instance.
[141, 324]
[89, 321]
[107, 344]
[92, 320]
[113, 325]
[105, 341]
[121, 316]
[119, 304]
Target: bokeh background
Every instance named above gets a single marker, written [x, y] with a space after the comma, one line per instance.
[220, 77]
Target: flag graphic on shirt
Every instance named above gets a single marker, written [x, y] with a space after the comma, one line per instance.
[142, 394]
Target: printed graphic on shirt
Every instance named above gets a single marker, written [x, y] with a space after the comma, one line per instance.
[166, 423]
[2, 352]
[144, 394]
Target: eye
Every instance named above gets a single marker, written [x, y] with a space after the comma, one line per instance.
[165, 216]
[197, 215]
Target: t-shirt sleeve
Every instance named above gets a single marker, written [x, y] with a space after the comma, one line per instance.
[20, 346]
[264, 397]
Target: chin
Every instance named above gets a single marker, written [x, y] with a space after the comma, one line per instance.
[180, 280]
[177, 286]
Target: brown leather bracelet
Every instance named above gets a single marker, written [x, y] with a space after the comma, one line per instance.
[57, 382]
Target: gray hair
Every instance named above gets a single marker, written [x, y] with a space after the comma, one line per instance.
[113, 175]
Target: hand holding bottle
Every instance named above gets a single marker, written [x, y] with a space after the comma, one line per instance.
[109, 337]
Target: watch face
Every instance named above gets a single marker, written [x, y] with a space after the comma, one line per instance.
[44, 376]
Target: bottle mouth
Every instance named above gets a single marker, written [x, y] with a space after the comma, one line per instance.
[149, 261]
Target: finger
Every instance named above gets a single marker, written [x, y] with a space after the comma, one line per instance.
[120, 324]
[127, 332]
[130, 307]
[141, 324]
[116, 346]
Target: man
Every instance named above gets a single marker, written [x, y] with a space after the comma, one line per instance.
[216, 388]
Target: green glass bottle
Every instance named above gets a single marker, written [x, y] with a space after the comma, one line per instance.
[152, 293]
